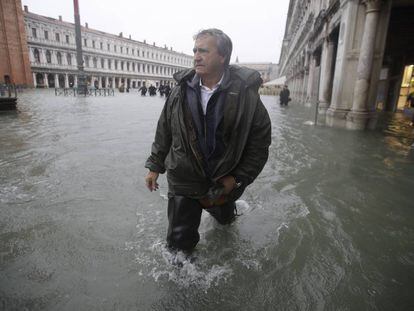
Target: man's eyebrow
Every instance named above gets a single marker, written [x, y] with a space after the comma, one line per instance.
[199, 49]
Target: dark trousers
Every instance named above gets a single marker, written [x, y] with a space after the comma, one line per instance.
[184, 215]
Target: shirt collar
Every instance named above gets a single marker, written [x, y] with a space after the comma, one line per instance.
[214, 87]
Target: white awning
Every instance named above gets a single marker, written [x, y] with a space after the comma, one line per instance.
[278, 81]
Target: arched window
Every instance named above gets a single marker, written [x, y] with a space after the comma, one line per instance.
[36, 55]
[48, 57]
[95, 62]
[69, 59]
[59, 58]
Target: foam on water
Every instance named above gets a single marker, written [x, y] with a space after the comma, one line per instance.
[222, 250]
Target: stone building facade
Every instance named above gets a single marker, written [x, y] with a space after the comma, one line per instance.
[14, 53]
[268, 71]
[109, 60]
[347, 56]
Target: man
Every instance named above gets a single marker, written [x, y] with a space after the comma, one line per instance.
[284, 96]
[212, 138]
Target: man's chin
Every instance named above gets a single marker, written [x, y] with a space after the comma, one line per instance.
[199, 70]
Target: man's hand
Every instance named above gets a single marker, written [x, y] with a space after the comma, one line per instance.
[151, 181]
[228, 182]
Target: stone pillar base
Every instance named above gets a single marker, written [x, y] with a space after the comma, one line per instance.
[361, 120]
[322, 108]
[336, 117]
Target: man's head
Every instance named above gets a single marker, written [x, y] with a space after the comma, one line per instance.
[212, 52]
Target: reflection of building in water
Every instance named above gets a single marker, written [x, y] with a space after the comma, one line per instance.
[109, 60]
[268, 71]
[349, 56]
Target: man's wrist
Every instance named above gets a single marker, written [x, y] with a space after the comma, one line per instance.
[238, 181]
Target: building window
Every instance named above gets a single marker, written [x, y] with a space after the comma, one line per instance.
[34, 33]
[121, 49]
[57, 37]
[36, 55]
[86, 61]
[48, 57]
[46, 35]
[59, 58]
[95, 62]
[93, 44]
[108, 46]
[67, 38]
[122, 65]
[69, 59]
[116, 65]
[102, 63]
[85, 43]
[139, 67]
[114, 48]
[128, 66]
[133, 52]
[101, 44]
[109, 64]
[127, 50]
[133, 66]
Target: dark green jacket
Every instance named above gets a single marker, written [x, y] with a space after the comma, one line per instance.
[246, 135]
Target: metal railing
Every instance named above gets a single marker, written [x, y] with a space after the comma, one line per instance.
[88, 92]
[8, 90]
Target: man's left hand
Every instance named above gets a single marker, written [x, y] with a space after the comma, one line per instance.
[228, 182]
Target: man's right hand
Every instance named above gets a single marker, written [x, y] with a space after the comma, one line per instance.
[151, 181]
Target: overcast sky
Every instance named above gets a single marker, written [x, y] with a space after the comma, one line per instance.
[255, 27]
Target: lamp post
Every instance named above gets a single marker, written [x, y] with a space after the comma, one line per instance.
[81, 74]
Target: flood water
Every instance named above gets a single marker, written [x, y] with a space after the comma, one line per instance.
[328, 225]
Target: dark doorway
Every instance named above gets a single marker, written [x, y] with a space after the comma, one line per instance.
[396, 81]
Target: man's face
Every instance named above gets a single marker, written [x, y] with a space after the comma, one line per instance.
[207, 61]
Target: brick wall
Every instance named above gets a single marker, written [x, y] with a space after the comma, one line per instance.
[14, 53]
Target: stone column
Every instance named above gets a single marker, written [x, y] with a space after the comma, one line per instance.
[56, 80]
[310, 79]
[66, 81]
[34, 80]
[75, 81]
[46, 81]
[100, 82]
[359, 115]
[325, 87]
[43, 56]
[107, 82]
[304, 84]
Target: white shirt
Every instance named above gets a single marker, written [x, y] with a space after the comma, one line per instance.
[206, 93]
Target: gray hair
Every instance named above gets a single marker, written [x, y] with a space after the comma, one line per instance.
[224, 44]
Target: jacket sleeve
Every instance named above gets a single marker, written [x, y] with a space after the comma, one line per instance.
[162, 142]
[256, 151]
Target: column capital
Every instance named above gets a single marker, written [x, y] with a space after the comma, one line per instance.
[372, 5]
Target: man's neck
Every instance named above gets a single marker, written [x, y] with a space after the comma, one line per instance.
[210, 82]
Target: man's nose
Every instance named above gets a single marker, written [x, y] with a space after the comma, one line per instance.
[197, 56]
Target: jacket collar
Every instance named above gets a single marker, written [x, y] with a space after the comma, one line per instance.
[193, 80]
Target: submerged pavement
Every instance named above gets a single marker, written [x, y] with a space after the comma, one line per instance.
[328, 225]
